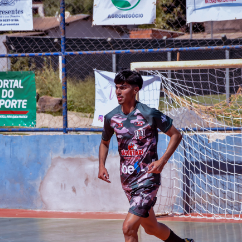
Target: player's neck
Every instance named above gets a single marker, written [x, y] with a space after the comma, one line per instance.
[129, 107]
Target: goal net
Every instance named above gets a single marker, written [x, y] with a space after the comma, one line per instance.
[204, 98]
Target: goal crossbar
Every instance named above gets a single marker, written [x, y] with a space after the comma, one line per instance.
[186, 65]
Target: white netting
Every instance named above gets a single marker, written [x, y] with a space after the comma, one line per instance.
[203, 178]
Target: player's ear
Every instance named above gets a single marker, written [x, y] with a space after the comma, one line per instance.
[136, 89]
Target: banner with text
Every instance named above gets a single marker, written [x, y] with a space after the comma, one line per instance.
[123, 12]
[16, 15]
[17, 99]
[105, 97]
[213, 10]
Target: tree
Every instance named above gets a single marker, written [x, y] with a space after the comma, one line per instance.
[72, 6]
[171, 14]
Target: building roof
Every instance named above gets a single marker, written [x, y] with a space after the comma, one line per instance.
[153, 33]
[46, 23]
[204, 35]
[23, 34]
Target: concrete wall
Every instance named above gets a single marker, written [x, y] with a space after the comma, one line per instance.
[59, 172]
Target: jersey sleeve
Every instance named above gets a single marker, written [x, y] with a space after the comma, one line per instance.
[162, 121]
[107, 130]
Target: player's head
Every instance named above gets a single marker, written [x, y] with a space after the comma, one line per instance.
[130, 77]
[128, 83]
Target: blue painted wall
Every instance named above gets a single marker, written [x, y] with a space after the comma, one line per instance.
[26, 160]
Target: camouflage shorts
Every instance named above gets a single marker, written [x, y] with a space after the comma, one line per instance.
[142, 200]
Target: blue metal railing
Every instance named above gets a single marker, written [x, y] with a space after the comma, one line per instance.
[161, 50]
[233, 129]
[64, 79]
[31, 54]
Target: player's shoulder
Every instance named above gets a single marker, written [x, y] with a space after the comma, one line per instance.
[148, 111]
[109, 115]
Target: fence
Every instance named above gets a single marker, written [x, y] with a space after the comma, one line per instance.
[65, 57]
[73, 59]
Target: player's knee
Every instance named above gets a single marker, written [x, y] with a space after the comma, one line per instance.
[151, 230]
[128, 229]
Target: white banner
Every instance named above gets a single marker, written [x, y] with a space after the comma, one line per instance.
[213, 10]
[124, 12]
[16, 15]
[105, 97]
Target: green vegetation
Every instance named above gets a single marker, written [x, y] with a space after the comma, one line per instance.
[170, 15]
[73, 6]
[80, 93]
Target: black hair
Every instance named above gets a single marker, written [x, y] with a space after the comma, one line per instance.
[131, 77]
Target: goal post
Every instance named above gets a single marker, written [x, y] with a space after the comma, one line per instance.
[203, 178]
[186, 65]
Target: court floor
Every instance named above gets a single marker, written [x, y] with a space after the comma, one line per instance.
[104, 230]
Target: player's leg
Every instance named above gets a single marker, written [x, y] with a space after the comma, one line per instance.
[141, 213]
[130, 227]
[153, 227]
[161, 231]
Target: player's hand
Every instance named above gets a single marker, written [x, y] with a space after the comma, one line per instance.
[103, 174]
[156, 166]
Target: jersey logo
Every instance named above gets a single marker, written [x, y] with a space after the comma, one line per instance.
[163, 118]
[127, 169]
[140, 123]
[132, 146]
[139, 134]
[132, 150]
[119, 126]
[138, 167]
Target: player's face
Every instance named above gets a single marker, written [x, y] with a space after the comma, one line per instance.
[125, 93]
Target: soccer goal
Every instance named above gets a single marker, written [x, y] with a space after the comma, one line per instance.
[204, 99]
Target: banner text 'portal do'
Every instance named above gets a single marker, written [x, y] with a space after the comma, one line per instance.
[17, 99]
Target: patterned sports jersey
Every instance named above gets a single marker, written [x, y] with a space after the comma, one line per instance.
[137, 137]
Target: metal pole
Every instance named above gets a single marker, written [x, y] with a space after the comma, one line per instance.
[9, 64]
[169, 75]
[190, 30]
[211, 29]
[186, 181]
[114, 62]
[169, 59]
[60, 68]
[227, 87]
[63, 49]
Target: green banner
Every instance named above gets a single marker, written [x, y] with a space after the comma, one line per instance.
[17, 99]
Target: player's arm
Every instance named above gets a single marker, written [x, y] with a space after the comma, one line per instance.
[175, 139]
[103, 153]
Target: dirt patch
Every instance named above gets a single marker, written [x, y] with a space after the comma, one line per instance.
[75, 120]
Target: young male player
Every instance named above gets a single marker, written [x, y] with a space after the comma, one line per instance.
[135, 125]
